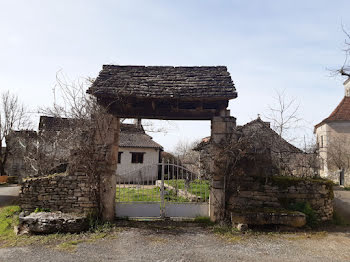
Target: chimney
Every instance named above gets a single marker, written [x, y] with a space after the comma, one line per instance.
[137, 122]
[347, 87]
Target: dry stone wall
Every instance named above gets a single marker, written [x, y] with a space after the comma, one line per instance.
[251, 193]
[69, 193]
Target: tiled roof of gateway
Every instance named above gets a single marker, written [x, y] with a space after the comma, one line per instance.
[341, 113]
[210, 82]
[132, 136]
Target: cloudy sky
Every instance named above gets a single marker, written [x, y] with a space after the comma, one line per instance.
[266, 45]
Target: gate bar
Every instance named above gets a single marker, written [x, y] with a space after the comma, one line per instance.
[162, 207]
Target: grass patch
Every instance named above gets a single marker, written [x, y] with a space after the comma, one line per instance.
[70, 246]
[228, 233]
[135, 194]
[347, 188]
[8, 219]
[63, 241]
[204, 220]
[196, 187]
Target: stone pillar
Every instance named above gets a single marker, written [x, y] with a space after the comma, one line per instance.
[107, 142]
[221, 129]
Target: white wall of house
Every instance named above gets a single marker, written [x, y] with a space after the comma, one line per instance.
[324, 134]
[136, 172]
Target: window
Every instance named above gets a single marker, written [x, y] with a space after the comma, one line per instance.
[137, 157]
[119, 157]
[321, 142]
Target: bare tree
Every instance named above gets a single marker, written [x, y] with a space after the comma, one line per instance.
[188, 157]
[338, 153]
[88, 143]
[284, 115]
[345, 69]
[13, 116]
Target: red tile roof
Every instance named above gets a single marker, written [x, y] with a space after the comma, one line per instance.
[341, 113]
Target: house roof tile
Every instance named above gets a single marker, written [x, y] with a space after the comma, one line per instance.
[340, 113]
[134, 136]
[210, 82]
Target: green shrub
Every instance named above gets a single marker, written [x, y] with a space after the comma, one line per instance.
[311, 216]
[96, 225]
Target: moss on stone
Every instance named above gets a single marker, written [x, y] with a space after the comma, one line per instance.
[287, 181]
[51, 176]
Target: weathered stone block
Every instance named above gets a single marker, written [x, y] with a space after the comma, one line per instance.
[287, 218]
[51, 222]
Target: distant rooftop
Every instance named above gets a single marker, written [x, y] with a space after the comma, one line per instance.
[340, 113]
[50, 123]
[261, 126]
[185, 82]
[134, 136]
[131, 135]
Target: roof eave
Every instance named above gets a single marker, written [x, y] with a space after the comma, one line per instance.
[112, 95]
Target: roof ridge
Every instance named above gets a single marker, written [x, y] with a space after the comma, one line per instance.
[340, 113]
[336, 110]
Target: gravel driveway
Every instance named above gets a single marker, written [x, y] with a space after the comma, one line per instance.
[184, 243]
[8, 194]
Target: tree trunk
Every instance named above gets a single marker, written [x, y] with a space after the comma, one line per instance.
[3, 159]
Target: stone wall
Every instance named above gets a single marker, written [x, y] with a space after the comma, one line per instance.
[69, 193]
[253, 193]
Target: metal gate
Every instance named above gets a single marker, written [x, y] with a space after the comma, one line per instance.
[162, 190]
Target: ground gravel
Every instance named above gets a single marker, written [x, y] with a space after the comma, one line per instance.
[195, 243]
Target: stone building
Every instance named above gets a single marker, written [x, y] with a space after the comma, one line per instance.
[20, 143]
[137, 149]
[138, 155]
[285, 157]
[333, 139]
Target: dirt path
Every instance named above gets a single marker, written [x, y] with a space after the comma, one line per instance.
[8, 194]
[194, 244]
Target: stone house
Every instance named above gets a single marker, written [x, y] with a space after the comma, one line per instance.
[138, 155]
[333, 140]
[20, 142]
[286, 158]
[137, 149]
